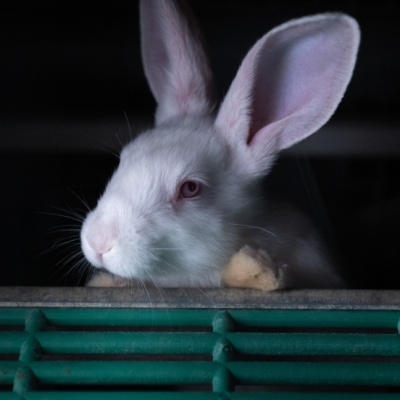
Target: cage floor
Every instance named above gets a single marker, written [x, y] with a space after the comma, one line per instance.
[77, 351]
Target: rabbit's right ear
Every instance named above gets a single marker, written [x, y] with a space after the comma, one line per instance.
[174, 59]
[287, 87]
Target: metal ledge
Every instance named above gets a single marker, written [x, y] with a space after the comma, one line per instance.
[199, 298]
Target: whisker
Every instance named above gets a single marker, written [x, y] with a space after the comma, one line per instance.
[160, 291]
[69, 263]
[166, 248]
[90, 273]
[69, 244]
[129, 126]
[142, 282]
[68, 214]
[156, 286]
[81, 199]
[65, 229]
[79, 266]
[72, 257]
[255, 227]
[108, 148]
[69, 211]
[170, 265]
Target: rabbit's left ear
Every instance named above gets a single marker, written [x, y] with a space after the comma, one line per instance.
[175, 63]
[287, 87]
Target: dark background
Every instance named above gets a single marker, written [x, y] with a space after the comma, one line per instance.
[70, 69]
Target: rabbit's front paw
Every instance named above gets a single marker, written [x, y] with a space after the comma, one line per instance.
[254, 269]
[105, 279]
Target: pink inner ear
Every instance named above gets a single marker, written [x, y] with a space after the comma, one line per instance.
[298, 79]
[290, 83]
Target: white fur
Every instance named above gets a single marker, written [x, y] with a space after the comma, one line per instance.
[287, 87]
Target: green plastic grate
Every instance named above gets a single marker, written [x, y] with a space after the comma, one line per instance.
[172, 353]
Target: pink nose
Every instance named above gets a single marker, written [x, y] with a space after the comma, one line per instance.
[100, 239]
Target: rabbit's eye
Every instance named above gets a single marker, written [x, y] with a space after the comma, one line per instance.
[190, 189]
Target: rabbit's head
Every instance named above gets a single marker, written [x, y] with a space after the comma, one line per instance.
[182, 191]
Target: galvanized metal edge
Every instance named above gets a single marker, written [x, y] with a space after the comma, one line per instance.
[199, 298]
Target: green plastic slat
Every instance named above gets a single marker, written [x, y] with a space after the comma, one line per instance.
[317, 373]
[169, 372]
[253, 318]
[7, 372]
[12, 316]
[200, 372]
[123, 317]
[124, 396]
[24, 380]
[201, 317]
[316, 344]
[225, 344]
[125, 372]
[127, 342]
[205, 396]
[11, 396]
[11, 342]
[35, 320]
[313, 396]
[315, 318]
[203, 343]
[111, 317]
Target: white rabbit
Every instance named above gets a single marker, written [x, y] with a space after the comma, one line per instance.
[186, 195]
